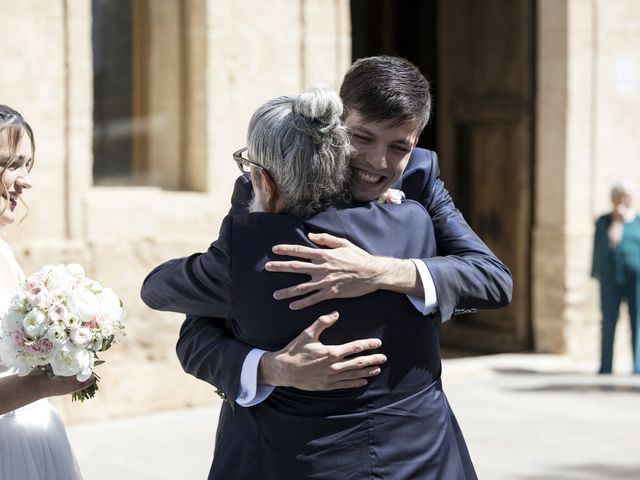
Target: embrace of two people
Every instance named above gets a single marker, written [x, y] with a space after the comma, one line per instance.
[308, 394]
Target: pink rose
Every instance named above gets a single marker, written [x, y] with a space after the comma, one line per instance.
[41, 347]
[19, 337]
[58, 312]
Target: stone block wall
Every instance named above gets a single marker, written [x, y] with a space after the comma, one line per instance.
[255, 50]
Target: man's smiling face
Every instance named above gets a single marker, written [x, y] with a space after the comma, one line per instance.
[382, 154]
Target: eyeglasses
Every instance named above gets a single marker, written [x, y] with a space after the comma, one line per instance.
[244, 164]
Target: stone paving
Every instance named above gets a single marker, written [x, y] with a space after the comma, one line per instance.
[525, 417]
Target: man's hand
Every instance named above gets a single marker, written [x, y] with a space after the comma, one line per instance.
[342, 270]
[619, 212]
[307, 364]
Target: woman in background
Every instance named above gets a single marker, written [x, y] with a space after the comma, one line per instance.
[616, 264]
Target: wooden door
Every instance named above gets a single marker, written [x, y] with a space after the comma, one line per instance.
[484, 115]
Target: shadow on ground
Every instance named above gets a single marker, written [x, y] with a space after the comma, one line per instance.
[587, 472]
[587, 382]
[581, 388]
[531, 371]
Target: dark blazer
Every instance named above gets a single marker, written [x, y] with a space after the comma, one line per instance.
[465, 272]
[399, 426]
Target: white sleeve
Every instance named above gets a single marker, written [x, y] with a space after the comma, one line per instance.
[429, 303]
[249, 392]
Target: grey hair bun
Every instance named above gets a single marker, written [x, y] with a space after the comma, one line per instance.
[319, 104]
[8, 114]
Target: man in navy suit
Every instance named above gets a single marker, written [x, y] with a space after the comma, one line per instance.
[387, 104]
[399, 425]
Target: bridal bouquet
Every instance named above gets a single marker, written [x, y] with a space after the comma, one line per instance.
[58, 322]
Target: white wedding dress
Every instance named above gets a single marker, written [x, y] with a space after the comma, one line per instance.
[33, 442]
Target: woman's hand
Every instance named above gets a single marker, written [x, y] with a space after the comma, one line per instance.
[16, 392]
[52, 387]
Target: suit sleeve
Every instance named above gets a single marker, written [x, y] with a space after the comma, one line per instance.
[206, 348]
[208, 351]
[466, 273]
[242, 193]
[199, 285]
[196, 285]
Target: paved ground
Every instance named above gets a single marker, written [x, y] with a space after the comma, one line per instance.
[525, 417]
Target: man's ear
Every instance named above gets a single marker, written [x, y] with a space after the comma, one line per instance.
[270, 190]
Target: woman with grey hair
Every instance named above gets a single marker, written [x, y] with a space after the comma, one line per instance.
[616, 264]
[397, 423]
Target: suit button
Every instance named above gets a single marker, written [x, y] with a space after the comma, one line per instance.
[221, 394]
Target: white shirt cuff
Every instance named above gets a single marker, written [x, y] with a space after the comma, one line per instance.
[429, 303]
[250, 393]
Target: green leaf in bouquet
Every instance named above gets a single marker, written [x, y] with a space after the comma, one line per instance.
[106, 344]
[88, 392]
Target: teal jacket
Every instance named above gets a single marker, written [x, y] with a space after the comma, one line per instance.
[610, 265]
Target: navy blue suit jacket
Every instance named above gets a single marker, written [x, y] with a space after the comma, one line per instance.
[354, 433]
[465, 272]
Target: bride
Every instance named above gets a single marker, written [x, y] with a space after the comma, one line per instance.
[33, 442]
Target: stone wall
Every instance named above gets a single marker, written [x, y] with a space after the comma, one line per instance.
[588, 96]
[255, 50]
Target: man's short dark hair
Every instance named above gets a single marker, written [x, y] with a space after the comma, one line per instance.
[384, 88]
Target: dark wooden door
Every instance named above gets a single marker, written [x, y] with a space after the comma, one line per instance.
[485, 123]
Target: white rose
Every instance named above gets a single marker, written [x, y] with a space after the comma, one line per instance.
[33, 323]
[81, 337]
[70, 360]
[71, 322]
[76, 271]
[59, 279]
[83, 304]
[57, 334]
[92, 285]
[11, 358]
[7, 351]
[22, 367]
[38, 278]
[12, 320]
[112, 307]
[44, 271]
[85, 373]
[19, 301]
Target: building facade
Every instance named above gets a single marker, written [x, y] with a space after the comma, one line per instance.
[137, 105]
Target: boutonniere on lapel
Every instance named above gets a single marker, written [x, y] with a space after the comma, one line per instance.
[392, 196]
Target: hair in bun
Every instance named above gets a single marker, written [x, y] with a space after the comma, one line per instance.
[303, 143]
[319, 104]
